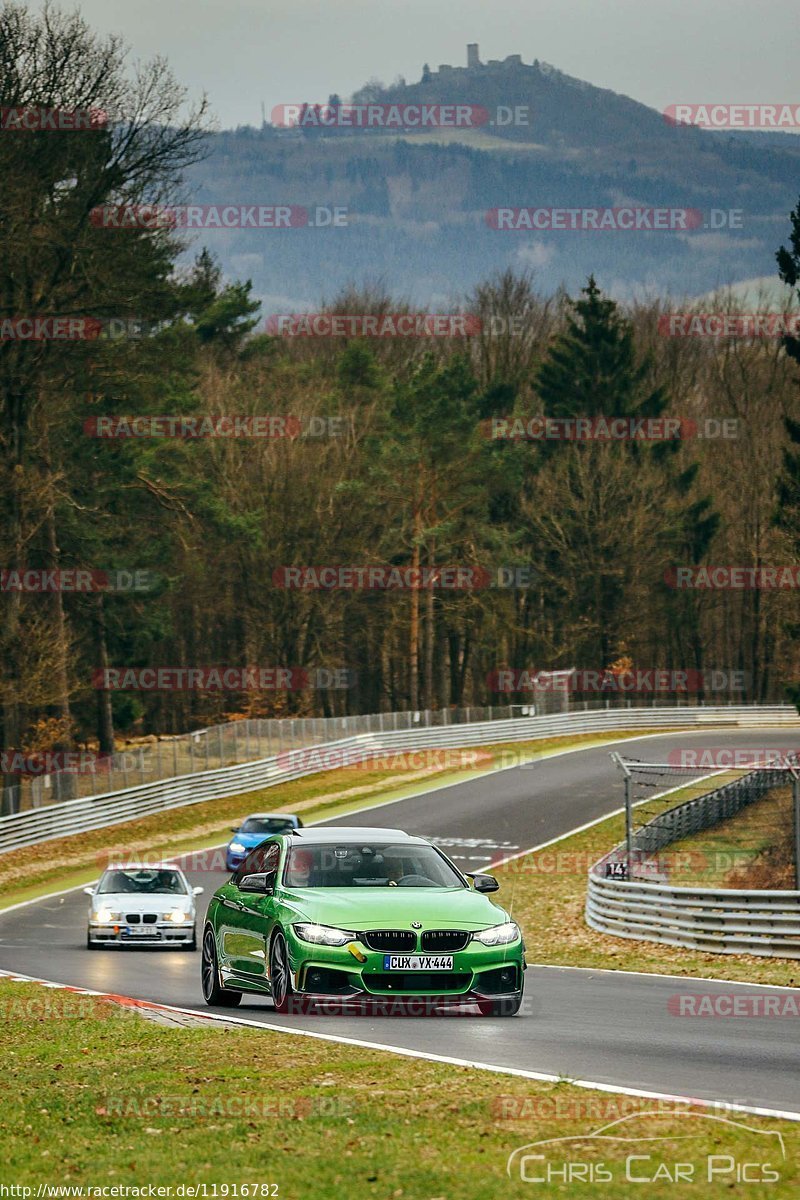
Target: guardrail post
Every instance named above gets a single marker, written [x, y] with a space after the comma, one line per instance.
[628, 822]
[623, 766]
[796, 806]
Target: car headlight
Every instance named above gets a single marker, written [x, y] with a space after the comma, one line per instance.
[323, 935]
[498, 935]
[105, 916]
[237, 847]
[177, 915]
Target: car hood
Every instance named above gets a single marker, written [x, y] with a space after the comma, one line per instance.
[394, 908]
[159, 902]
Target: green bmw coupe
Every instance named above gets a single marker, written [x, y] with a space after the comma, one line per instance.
[353, 916]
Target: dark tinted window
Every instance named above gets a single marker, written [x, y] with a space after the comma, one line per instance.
[144, 881]
[368, 865]
[265, 825]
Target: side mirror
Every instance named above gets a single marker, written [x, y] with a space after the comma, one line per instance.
[260, 883]
[299, 824]
[485, 883]
[198, 891]
[234, 828]
[87, 891]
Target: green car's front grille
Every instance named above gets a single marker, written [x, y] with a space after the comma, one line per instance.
[393, 940]
[444, 941]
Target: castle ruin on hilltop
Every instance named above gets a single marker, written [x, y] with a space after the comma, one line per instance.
[474, 64]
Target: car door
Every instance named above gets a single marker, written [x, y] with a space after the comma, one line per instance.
[248, 914]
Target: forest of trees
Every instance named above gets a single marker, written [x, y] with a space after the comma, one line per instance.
[406, 476]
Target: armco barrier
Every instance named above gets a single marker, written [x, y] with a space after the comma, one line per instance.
[720, 921]
[113, 808]
[716, 920]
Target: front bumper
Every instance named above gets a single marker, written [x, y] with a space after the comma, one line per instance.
[335, 973]
[164, 933]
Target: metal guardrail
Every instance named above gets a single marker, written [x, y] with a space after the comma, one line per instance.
[717, 920]
[254, 738]
[245, 740]
[113, 808]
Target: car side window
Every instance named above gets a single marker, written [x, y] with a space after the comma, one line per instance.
[262, 859]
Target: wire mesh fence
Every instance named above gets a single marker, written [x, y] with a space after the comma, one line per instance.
[634, 891]
[659, 816]
[154, 758]
[217, 746]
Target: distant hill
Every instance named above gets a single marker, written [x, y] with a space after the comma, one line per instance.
[417, 201]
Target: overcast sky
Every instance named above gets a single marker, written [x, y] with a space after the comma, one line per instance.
[243, 52]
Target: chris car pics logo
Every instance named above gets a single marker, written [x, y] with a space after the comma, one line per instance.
[695, 1150]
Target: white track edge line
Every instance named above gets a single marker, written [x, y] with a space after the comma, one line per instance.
[450, 1060]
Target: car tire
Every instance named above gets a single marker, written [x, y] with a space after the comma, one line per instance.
[90, 945]
[506, 1006]
[213, 991]
[279, 974]
[192, 945]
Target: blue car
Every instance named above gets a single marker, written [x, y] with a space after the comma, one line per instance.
[252, 832]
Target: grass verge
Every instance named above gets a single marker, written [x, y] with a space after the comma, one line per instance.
[73, 861]
[98, 1096]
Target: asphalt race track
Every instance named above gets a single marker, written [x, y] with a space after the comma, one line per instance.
[603, 1026]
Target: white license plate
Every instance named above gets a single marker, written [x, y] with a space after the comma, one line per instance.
[417, 962]
[140, 931]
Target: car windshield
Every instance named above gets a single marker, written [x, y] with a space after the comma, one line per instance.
[370, 865]
[147, 881]
[265, 825]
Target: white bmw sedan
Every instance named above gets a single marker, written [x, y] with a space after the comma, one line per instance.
[135, 905]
